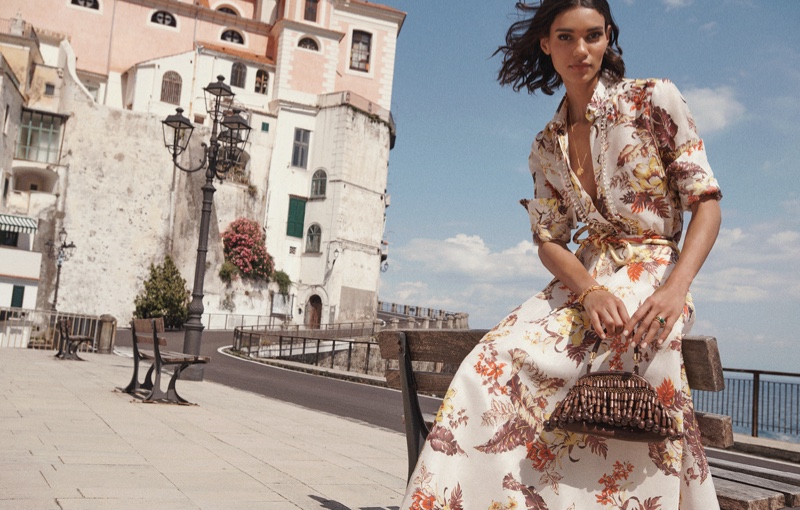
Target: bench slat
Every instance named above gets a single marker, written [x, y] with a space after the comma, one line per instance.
[427, 382]
[738, 496]
[443, 345]
[791, 493]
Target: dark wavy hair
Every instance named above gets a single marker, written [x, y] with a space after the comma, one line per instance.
[526, 66]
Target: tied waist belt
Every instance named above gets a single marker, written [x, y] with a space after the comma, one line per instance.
[610, 243]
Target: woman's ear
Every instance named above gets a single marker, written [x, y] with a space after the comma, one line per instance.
[608, 33]
[545, 45]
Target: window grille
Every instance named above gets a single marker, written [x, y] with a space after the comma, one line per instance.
[89, 4]
[311, 10]
[238, 75]
[171, 87]
[300, 148]
[360, 51]
[262, 81]
[227, 10]
[163, 18]
[319, 183]
[308, 44]
[313, 239]
[232, 36]
[39, 137]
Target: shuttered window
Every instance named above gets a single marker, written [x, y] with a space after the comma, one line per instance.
[297, 216]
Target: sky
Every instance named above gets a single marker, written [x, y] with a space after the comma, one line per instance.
[460, 241]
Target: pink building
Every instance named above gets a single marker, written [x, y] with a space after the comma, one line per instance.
[314, 78]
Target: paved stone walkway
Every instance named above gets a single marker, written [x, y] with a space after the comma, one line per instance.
[69, 441]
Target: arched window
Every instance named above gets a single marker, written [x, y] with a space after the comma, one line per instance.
[318, 184]
[308, 43]
[232, 36]
[262, 81]
[313, 239]
[228, 10]
[89, 4]
[171, 87]
[360, 50]
[163, 18]
[238, 75]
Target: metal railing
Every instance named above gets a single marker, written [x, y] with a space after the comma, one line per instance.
[258, 335]
[225, 321]
[36, 329]
[758, 400]
[413, 310]
[362, 356]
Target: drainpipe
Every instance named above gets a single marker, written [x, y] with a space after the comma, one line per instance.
[110, 44]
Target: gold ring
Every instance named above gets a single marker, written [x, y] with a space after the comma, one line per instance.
[661, 320]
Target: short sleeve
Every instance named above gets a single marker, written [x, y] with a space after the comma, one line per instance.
[682, 151]
[551, 219]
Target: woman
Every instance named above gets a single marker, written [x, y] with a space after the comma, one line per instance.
[622, 158]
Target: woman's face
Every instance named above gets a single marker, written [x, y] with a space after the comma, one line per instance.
[577, 42]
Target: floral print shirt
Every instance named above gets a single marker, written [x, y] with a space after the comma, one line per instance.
[649, 163]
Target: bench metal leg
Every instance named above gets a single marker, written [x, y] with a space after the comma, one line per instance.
[60, 353]
[416, 429]
[135, 386]
[171, 395]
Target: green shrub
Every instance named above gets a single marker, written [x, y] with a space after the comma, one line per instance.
[228, 271]
[283, 281]
[164, 295]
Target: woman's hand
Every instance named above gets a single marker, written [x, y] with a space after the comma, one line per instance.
[654, 319]
[607, 313]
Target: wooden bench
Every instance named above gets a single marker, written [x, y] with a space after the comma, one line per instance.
[68, 345]
[740, 488]
[146, 331]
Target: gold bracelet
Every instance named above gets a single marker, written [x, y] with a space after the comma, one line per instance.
[590, 289]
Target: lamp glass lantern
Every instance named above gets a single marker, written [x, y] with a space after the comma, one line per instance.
[217, 93]
[177, 132]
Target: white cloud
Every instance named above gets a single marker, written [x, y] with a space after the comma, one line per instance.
[675, 4]
[709, 28]
[714, 109]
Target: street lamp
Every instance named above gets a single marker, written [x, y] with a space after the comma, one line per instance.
[63, 253]
[229, 136]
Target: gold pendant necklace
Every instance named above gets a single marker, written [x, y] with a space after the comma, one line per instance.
[580, 160]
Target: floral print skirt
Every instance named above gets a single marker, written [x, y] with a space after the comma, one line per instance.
[488, 449]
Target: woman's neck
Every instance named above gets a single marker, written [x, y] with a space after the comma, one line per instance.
[578, 97]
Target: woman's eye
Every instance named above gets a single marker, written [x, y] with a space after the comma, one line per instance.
[563, 37]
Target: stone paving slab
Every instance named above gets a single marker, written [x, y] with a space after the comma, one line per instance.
[69, 441]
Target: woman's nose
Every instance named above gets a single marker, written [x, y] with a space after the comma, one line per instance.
[580, 48]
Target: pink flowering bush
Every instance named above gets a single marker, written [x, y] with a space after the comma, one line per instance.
[245, 248]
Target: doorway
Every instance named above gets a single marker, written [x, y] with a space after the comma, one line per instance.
[314, 315]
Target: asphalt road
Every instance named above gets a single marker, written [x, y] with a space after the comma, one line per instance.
[378, 406]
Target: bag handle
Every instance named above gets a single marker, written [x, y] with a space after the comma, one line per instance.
[593, 355]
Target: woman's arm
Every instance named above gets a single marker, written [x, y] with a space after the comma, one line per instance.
[669, 299]
[607, 312]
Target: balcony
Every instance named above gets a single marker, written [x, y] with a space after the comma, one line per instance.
[17, 263]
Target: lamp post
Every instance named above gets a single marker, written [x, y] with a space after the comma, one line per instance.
[229, 135]
[60, 251]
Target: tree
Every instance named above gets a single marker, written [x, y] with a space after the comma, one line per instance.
[164, 295]
[246, 249]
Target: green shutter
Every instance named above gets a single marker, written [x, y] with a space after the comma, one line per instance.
[297, 217]
[16, 296]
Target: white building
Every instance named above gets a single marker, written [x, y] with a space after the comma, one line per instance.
[314, 78]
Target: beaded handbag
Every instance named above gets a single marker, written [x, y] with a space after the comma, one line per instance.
[614, 404]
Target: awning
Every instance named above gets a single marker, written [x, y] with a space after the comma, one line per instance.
[10, 223]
